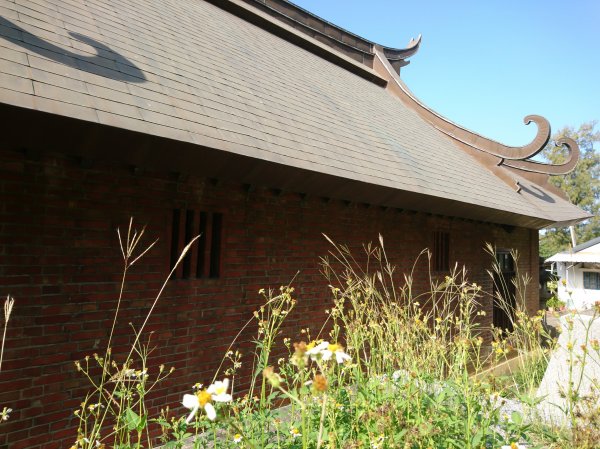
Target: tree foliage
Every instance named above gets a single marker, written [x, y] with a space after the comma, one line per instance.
[582, 186]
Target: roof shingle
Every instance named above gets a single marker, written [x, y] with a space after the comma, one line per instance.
[188, 70]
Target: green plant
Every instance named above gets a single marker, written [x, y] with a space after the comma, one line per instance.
[115, 411]
[555, 303]
[390, 368]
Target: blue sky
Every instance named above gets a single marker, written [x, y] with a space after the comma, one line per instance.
[486, 64]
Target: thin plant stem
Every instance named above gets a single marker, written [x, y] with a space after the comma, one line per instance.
[162, 288]
[8, 306]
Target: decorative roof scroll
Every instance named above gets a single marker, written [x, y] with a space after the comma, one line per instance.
[506, 162]
[519, 157]
[549, 169]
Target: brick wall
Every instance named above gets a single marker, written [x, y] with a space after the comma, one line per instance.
[59, 257]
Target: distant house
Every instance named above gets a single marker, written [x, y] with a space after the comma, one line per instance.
[579, 274]
[255, 124]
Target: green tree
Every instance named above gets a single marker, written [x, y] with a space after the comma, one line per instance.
[582, 186]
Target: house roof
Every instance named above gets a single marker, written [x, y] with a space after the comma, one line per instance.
[586, 245]
[239, 83]
[585, 252]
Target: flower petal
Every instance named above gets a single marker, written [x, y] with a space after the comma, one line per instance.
[190, 417]
[190, 401]
[218, 387]
[341, 356]
[223, 397]
[326, 354]
[211, 413]
[318, 348]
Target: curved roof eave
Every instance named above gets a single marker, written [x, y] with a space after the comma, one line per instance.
[511, 164]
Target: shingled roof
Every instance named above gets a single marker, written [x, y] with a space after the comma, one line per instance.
[240, 86]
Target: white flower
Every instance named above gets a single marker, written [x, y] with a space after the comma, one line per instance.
[326, 351]
[338, 351]
[5, 414]
[400, 375]
[315, 350]
[202, 398]
[218, 390]
[295, 433]
[237, 438]
[195, 401]
[135, 374]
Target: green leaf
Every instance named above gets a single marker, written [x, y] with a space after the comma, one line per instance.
[516, 418]
[132, 419]
[142, 424]
[477, 438]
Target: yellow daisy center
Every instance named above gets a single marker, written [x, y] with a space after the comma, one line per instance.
[204, 397]
[335, 347]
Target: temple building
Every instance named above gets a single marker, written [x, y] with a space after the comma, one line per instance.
[253, 123]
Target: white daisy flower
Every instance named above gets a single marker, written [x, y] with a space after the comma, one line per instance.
[338, 351]
[195, 401]
[218, 390]
[315, 350]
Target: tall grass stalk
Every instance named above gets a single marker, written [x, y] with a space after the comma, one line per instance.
[115, 410]
[528, 341]
[9, 303]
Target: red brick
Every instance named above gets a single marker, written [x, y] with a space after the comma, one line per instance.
[59, 257]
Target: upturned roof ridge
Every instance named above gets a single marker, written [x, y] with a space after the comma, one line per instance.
[251, 11]
[352, 44]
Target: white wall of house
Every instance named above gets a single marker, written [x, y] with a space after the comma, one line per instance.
[573, 293]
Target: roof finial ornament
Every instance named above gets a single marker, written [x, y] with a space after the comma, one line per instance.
[397, 57]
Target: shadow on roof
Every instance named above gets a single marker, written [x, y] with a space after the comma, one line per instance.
[538, 193]
[106, 62]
